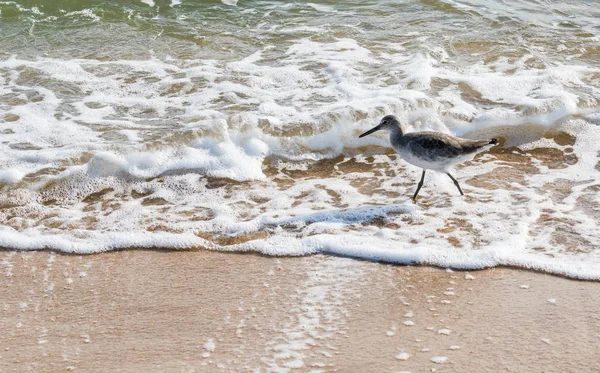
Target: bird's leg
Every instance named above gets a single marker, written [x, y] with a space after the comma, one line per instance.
[456, 183]
[420, 185]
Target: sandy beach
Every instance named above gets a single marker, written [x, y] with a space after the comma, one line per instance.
[228, 134]
[204, 311]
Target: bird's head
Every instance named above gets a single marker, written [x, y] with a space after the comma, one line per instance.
[389, 123]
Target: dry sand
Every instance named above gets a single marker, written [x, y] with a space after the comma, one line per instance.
[203, 311]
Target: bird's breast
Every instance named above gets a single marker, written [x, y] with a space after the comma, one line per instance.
[425, 161]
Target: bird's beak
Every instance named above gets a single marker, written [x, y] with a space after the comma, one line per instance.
[376, 128]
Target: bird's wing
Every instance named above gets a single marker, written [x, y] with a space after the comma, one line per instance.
[434, 145]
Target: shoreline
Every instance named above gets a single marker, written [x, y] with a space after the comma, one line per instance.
[328, 254]
[205, 311]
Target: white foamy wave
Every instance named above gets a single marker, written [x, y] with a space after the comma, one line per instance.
[322, 8]
[352, 102]
[33, 10]
[357, 246]
[203, 156]
[260, 153]
[11, 176]
[87, 13]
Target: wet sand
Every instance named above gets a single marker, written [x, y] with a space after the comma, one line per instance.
[204, 311]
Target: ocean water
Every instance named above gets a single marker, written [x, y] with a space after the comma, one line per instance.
[233, 125]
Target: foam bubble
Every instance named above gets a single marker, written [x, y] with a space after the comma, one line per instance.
[106, 164]
[210, 345]
[402, 356]
[322, 8]
[439, 359]
[11, 176]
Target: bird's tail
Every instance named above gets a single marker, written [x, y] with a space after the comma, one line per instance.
[476, 146]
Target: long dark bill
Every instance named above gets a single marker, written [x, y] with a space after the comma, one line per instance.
[376, 128]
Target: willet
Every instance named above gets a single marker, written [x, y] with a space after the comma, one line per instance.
[430, 150]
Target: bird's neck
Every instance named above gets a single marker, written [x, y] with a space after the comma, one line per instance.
[397, 131]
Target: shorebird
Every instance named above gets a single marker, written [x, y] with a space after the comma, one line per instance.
[430, 150]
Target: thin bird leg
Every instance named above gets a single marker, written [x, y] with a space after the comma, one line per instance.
[456, 183]
[420, 185]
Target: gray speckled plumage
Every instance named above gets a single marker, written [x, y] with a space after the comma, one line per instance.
[430, 150]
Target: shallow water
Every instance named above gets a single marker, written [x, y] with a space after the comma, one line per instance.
[233, 126]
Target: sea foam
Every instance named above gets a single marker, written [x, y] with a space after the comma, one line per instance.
[259, 151]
